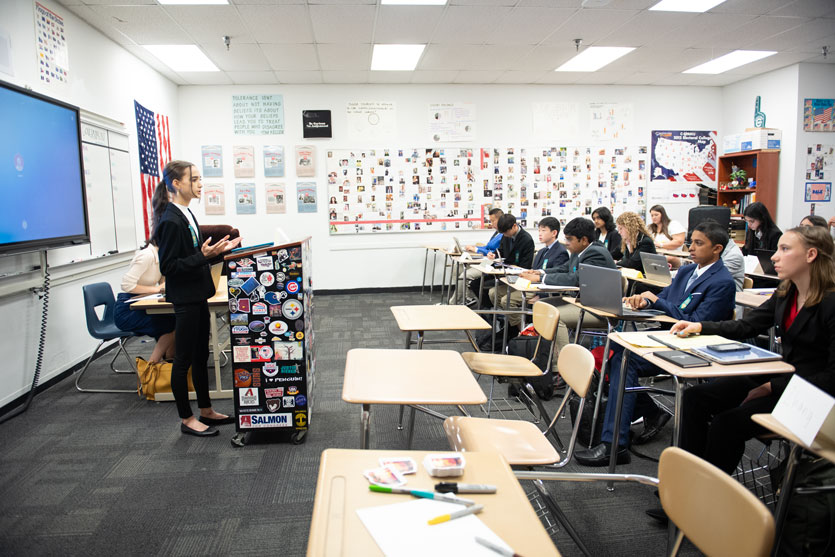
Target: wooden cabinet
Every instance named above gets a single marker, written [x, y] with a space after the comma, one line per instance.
[761, 165]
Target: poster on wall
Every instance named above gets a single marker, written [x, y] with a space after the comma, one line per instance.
[214, 199]
[820, 162]
[273, 161]
[245, 199]
[609, 121]
[258, 114]
[305, 161]
[51, 47]
[316, 123]
[817, 115]
[244, 158]
[212, 161]
[818, 191]
[306, 195]
[276, 199]
[371, 120]
[452, 122]
[683, 156]
[556, 120]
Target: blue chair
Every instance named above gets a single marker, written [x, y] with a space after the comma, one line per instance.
[104, 329]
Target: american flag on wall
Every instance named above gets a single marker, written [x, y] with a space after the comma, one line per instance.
[154, 153]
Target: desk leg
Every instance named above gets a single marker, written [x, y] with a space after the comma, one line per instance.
[411, 426]
[679, 388]
[425, 261]
[408, 339]
[432, 277]
[594, 417]
[579, 326]
[420, 340]
[785, 496]
[472, 340]
[613, 460]
[444, 298]
[365, 423]
[408, 346]
[524, 322]
[506, 315]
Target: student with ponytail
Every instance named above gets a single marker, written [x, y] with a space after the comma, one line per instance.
[184, 259]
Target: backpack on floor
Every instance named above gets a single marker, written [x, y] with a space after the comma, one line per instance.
[809, 529]
[524, 346]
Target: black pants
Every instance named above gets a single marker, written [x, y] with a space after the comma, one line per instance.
[715, 427]
[191, 338]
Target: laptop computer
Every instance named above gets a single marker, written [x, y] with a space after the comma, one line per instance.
[601, 288]
[764, 257]
[656, 268]
[462, 251]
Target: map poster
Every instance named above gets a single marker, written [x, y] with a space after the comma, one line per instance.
[817, 115]
[214, 199]
[683, 156]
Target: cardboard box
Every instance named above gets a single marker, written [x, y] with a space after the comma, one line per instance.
[760, 138]
[732, 143]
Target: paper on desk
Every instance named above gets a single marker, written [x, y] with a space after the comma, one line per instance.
[760, 291]
[642, 340]
[401, 529]
[631, 273]
[148, 297]
[803, 408]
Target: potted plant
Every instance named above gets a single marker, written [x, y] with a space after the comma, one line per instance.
[739, 178]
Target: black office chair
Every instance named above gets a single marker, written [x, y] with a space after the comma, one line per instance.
[721, 215]
[104, 329]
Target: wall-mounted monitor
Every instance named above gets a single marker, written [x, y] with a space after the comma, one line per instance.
[42, 197]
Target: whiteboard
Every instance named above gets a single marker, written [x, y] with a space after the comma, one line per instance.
[99, 199]
[120, 180]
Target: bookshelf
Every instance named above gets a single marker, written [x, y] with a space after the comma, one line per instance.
[763, 166]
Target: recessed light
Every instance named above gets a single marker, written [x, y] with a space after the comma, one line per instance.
[685, 5]
[413, 2]
[730, 61]
[594, 58]
[194, 2]
[182, 57]
[396, 57]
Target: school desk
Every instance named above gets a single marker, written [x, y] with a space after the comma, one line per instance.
[419, 319]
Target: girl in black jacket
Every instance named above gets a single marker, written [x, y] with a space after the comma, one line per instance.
[184, 261]
[762, 233]
[604, 226]
[636, 238]
[717, 415]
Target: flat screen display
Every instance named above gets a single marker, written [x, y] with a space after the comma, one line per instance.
[43, 203]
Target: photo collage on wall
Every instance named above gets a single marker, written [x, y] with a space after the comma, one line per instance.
[388, 190]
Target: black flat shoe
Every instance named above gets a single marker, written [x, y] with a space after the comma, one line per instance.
[652, 427]
[221, 421]
[599, 455]
[206, 433]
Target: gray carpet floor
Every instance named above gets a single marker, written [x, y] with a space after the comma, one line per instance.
[107, 474]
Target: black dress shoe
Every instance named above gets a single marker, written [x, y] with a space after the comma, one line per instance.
[652, 427]
[659, 515]
[217, 421]
[206, 433]
[599, 455]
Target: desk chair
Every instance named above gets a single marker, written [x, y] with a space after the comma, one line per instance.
[104, 329]
[747, 283]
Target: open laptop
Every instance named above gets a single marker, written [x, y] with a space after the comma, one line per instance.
[764, 256]
[656, 268]
[462, 251]
[601, 288]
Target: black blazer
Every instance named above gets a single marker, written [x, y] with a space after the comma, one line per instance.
[569, 274]
[550, 257]
[519, 250]
[612, 242]
[808, 345]
[632, 259]
[188, 275]
[767, 242]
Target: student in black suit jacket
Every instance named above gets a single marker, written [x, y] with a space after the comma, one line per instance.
[606, 232]
[717, 415]
[184, 258]
[636, 239]
[762, 233]
[516, 248]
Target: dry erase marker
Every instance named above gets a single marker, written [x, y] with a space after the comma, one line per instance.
[457, 514]
[497, 548]
[423, 494]
[453, 487]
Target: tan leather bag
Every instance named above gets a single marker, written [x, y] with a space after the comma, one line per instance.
[155, 378]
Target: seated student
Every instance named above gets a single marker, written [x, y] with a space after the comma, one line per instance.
[814, 220]
[584, 249]
[549, 257]
[470, 272]
[666, 233]
[702, 290]
[516, 247]
[144, 277]
[735, 262]
[605, 231]
[762, 233]
[636, 239]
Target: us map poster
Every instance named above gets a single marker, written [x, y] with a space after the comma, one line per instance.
[684, 156]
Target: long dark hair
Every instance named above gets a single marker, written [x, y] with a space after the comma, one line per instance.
[758, 211]
[606, 216]
[816, 220]
[822, 272]
[665, 222]
[174, 170]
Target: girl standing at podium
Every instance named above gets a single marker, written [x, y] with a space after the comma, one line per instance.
[184, 258]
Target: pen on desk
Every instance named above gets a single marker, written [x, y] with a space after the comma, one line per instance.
[497, 548]
[453, 487]
[423, 494]
[474, 509]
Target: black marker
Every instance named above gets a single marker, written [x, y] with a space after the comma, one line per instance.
[452, 487]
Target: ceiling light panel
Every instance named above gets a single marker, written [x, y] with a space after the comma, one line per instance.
[593, 58]
[730, 61]
[396, 57]
[685, 5]
[182, 57]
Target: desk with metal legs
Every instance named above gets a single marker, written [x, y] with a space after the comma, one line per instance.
[419, 319]
[434, 249]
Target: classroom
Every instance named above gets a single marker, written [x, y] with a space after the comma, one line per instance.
[465, 196]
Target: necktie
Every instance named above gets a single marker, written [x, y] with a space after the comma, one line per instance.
[692, 279]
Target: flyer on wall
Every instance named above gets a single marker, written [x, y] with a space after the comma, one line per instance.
[212, 161]
[273, 161]
[276, 204]
[305, 161]
[214, 199]
[683, 156]
[244, 156]
[245, 199]
[306, 194]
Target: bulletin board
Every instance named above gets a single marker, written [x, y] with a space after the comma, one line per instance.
[432, 189]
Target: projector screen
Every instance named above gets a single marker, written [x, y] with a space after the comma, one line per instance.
[43, 203]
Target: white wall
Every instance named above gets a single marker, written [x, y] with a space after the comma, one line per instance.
[504, 119]
[105, 79]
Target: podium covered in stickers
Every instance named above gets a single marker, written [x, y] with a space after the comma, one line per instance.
[271, 333]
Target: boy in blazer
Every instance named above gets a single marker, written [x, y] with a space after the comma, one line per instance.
[516, 248]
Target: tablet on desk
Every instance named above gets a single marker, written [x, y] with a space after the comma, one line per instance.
[752, 355]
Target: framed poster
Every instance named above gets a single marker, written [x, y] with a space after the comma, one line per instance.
[244, 161]
[273, 161]
[215, 199]
[276, 199]
[817, 115]
[212, 161]
[306, 194]
[818, 191]
[317, 123]
[245, 199]
[305, 161]
[683, 156]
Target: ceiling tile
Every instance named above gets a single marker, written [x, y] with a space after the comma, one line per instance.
[206, 78]
[640, 78]
[807, 8]
[529, 25]
[406, 24]
[646, 28]
[779, 60]
[102, 23]
[272, 2]
[629, 4]
[144, 24]
[299, 57]
[211, 23]
[343, 24]
[659, 59]
[471, 57]
[278, 24]
[344, 56]
[719, 80]
[707, 29]
[811, 30]
[487, 2]
[756, 29]
[752, 7]
[468, 76]
[142, 54]
[390, 77]
[344, 77]
[602, 77]
[521, 77]
[111, 2]
[692, 57]
[341, 2]
[677, 79]
[589, 25]
[434, 76]
[298, 77]
[469, 24]
[239, 57]
[252, 78]
[559, 78]
[815, 46]
[546, 57]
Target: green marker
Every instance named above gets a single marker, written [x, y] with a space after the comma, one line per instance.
[449, 497]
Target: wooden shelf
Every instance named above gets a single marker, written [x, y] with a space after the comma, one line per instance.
[752, 190]
[762, 166]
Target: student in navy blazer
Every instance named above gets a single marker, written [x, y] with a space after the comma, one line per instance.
[184, 259]
[710, 296]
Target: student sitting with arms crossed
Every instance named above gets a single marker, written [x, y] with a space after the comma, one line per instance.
[552, 255]
[516, 248]
[700, 291]
[636, 239]
[470, 272]
[584, 249]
